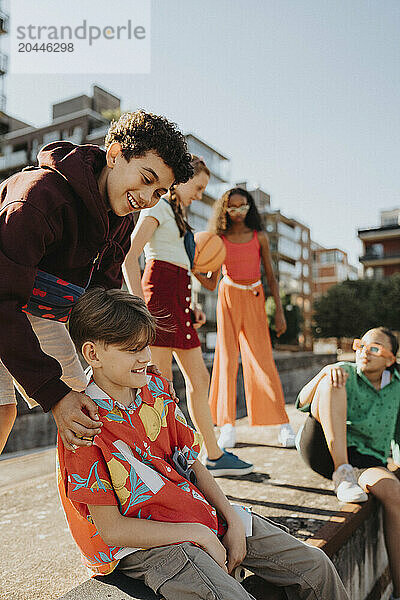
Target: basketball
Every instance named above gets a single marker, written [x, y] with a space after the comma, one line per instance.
[210, 252]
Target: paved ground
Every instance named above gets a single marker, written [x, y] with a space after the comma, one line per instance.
[40, 560]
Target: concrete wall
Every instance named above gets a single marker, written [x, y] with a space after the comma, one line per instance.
[362, 561]
[33, 428]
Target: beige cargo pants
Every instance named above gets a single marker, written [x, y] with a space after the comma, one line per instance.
[186, 572]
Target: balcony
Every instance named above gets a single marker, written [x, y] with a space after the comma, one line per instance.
[3, 63]
[3, 22]
[97, 132]
[377, 259]
[14, 160]
[376, 234]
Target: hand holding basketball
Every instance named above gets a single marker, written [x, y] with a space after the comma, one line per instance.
[210, 252]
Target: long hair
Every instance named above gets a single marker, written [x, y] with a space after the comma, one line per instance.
[220, 221]
[199, 166]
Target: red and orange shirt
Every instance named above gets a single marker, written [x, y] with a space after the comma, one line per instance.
[130, 466]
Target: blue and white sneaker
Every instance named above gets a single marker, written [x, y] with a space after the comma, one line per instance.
[228, 464]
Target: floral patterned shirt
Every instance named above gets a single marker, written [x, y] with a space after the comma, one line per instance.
[130, 466]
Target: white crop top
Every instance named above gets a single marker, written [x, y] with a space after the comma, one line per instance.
[165, 243]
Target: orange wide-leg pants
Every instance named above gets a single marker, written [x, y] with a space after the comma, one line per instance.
[242, 324]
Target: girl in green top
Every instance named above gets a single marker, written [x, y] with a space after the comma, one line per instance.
[354, 420]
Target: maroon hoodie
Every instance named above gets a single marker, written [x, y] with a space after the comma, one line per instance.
[56, 222]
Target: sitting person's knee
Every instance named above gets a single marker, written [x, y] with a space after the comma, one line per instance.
[385, 488]
[320, 567]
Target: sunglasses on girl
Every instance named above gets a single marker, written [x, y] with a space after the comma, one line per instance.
[374, 348]
[241, 210]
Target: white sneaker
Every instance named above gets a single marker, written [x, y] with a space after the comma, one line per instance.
[287, 436]
[346, 486]
[227, 437]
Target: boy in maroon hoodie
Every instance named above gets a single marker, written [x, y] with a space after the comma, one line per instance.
[64, 225]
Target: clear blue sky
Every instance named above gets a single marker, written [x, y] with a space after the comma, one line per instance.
[302, 95]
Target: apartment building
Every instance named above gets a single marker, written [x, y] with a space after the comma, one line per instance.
[3, 69]
[198, 216]
[4, 25]
[79, 120]
[381, 246]
[329, 267]
[290, 245]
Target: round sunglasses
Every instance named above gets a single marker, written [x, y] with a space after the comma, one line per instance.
[241, 210]
[375, 348]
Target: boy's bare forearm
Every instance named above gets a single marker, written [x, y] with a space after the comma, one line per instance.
[117, 530]
[212, 492]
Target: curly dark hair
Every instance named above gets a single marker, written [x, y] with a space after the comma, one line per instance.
[220, 221]
[140, 132]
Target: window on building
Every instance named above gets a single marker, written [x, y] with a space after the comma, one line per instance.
[378, 273]
[289, 248]
[51, 136]
[213, 160]
[327, 257]
[287, 230]
[273, 245]
[35, 147]
[77, 135]
[374, 251]
[374, 273]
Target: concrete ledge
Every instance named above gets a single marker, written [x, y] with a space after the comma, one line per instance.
[354, 540]
[114, 587]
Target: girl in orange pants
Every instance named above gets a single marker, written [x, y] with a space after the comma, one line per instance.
[242, 322]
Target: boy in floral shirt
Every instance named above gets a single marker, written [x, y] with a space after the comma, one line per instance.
[139, 500]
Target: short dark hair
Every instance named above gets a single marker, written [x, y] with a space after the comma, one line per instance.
[140, 132]
[112, 317]
[220, 220]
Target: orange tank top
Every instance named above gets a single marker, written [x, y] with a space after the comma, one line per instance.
[242, 262]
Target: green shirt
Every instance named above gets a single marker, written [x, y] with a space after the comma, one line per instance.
[373, 416]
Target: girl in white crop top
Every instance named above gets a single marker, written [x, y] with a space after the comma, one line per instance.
[166, 288]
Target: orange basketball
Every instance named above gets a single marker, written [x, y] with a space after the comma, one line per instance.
[210, 252]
